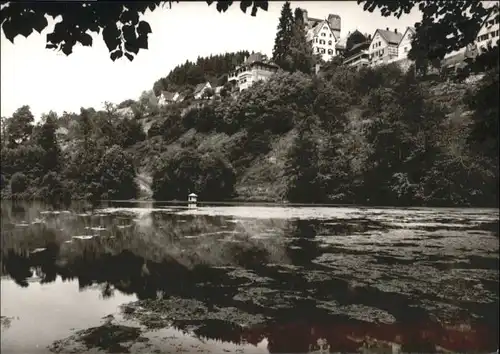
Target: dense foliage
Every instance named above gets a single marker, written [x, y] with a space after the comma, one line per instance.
[88, 161]
[186, 171]
[373, 136]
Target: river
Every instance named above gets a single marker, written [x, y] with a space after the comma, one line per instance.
[154, 278]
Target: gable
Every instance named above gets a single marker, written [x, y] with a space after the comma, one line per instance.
[376, 38]
[408, 35]
[323, 27]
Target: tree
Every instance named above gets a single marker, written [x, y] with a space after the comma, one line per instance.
[446, 26]
[300, 52]
[117, 175]
[122, 29]
[4, 135]
[51, 187]
[148, 102]
[303, 166]
[208, 175]
[483, 137]
[85, 126]
[46, 139]
[18, 183]
[20, 126]
[283, 36]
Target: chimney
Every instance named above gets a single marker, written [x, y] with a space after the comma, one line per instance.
[395, 30]
[387, 28]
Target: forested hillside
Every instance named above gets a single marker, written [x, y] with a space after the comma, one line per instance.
[375, 136]
[213, 69]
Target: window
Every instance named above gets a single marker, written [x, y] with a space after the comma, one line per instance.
[329, 42]
[322, 50]
[323, 34]
[321, 41]
[406, 49]
[330, 51]
[316, 40]
[330, 35]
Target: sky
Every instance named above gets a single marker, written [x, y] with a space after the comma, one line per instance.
[47, 80]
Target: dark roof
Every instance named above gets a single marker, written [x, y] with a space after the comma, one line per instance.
[169, 96]
[390, 37]
[313, 21]
[359, 46]
[254, 57]
[199, 87]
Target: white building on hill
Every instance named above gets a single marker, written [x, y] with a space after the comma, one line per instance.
[384, 46]
[255, 68]
[323, 35]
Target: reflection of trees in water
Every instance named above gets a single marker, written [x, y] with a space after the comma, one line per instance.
[161, 260]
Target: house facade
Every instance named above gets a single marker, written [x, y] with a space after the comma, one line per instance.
[255, 68]
[356, 53]
[167, 98]
[488, 35]
[323, 35]
[200, 90]
[384, 46]
[405, 43]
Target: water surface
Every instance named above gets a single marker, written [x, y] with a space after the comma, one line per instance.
[252, 279]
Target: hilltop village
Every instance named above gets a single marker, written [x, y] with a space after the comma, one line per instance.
[356, 49]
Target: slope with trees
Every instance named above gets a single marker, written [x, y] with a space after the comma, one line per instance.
[213, 69]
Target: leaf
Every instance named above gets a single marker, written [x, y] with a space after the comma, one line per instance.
[244, 5]
[131, 46]
[129, 33]
[117, 54]
[129, 16]
[9, 30]
[25, 28]
[110, 35]
[50, 46]
[129, 56]
[264, 5]
[40, 22]
[143, 28]
[86, 40]
[67, 48]
[142, 41]
[222, 6]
